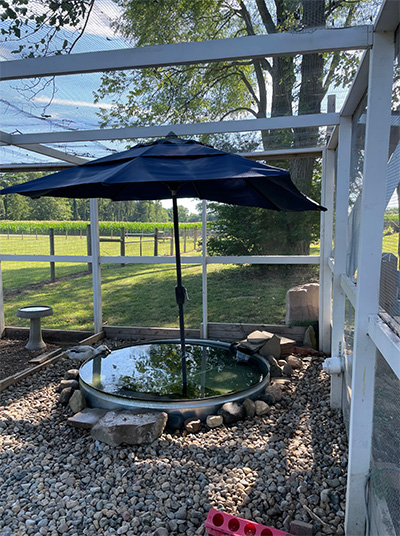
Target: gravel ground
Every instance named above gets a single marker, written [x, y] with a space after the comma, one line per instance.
[273, 469]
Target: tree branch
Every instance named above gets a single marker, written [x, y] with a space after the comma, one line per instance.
[237, 110]
[266, 16]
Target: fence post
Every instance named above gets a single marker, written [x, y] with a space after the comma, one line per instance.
[52, 252]
[122, 243]
[140, 245]
[171, 251]
[156, 242]
[89, 246]
[184, 239]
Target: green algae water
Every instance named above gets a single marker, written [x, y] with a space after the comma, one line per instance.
[148, 370]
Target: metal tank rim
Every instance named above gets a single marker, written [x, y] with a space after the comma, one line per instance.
[199, 407]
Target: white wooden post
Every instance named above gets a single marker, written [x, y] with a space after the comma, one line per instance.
[326, 233]
[338, 305]
[2, 320]
[204, 331]
[371, 233]
[96, 272]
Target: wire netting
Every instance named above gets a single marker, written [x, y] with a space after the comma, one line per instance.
[355, 187]
[384, 486]
[348, 355]
[390, 277]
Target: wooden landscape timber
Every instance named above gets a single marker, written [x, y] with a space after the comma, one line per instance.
[50, 335]
[11, 380]
[216, 331]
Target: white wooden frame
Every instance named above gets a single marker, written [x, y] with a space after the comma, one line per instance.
[371, 334]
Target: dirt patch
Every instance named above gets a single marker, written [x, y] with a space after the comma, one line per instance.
[14, 357]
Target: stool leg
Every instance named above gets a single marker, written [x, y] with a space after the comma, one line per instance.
[35, 336]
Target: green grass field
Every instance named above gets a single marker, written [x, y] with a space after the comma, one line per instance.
[142, 294]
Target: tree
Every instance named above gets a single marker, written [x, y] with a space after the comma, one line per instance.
[217, 91]
[40, 25]
[50, 208]
[234, 89]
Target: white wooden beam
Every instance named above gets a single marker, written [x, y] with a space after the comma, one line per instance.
[96, 271]
[52, 153]
[158, 131]
[340, 244]
[8, 139]
[273, 154]
[349, 288]
[358, 87]
[388, 18]
[295, 152]
[387, 342]
[204, 325]
[35, 166]
[326, 235]
[2, 320]
[265, 259]
[258, 46]
[370, 251]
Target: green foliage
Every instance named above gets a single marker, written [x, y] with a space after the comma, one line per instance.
[105, 227]
[250, 231]
[43, 20]
[17, 207]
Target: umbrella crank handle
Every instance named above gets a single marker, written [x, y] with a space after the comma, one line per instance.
[181, 293]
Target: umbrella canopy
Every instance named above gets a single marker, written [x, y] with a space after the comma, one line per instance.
[174, 168]
[190, 169]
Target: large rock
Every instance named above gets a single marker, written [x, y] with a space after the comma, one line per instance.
[65, 395]
[310, 339]
[294, 362]
[130, 428]
[86, 418]
[275, 391]
[302, 303]
[249, 408]
[232, 412]
[271, 347]
[213, 421]
[77, 402]
[262, 408]
[192, 425]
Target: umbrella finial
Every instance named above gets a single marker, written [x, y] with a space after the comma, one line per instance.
[171, 135]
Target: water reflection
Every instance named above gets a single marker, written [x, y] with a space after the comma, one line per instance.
[155, 369]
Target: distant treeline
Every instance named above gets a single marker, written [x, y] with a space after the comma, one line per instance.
[18, 207]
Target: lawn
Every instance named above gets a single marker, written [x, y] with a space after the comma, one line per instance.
[142, 294]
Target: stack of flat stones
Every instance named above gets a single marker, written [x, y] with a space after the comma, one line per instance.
[277, 351]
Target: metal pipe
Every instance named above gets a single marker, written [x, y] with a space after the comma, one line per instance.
[179, 291]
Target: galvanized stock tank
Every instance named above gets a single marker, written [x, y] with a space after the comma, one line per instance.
[147, 376]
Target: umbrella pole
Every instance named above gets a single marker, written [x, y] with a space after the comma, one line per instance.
[179, 292]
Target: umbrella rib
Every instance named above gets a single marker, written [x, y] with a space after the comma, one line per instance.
[262, 195]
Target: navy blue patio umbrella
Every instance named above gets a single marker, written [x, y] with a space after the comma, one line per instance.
[174, 168]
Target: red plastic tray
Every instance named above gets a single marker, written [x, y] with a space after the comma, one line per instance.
[222, 524]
